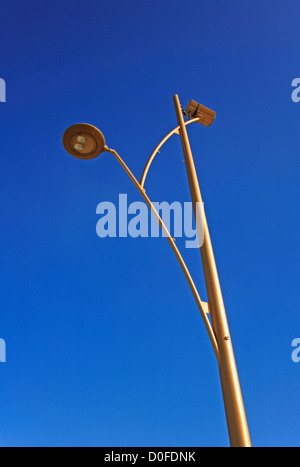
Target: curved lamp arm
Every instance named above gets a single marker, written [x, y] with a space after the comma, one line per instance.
[189, 279]
[156, 150]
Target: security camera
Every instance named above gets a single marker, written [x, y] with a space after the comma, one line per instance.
[195, 110]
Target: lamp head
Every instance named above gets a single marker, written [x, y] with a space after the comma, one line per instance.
[83, 141]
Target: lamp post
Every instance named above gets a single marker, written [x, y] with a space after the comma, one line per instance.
[85, 141]
[234, 406]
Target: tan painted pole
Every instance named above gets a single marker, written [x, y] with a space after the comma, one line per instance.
[232, 396]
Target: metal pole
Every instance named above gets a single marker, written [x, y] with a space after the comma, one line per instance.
[232, 396]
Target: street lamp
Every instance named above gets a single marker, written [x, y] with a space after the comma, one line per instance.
[85, 141]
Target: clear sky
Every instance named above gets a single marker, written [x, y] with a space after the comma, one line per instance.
[105, 345]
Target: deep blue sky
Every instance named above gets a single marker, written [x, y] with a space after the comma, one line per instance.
[105, 345]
